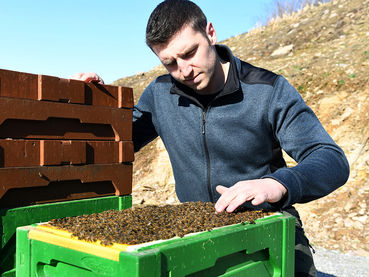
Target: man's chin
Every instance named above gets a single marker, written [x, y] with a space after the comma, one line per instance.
[199, 87]
[202, 89]
[194, 86]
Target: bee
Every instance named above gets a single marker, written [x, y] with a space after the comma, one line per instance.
[147, 223]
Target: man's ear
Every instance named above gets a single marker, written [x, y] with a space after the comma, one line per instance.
[211, 34]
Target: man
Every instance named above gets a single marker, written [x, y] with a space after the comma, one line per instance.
[224, 123]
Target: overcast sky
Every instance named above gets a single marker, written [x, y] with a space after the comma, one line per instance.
[60, 38]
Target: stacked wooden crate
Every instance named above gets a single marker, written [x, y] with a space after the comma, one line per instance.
[62, 140]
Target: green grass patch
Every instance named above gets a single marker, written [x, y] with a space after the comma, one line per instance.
[301, 89]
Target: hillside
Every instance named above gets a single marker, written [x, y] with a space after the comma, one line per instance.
[324, 52]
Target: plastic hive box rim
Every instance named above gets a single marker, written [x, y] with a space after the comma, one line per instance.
[50, 234]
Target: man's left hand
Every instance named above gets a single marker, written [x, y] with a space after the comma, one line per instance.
[257, 191]
[89, 77]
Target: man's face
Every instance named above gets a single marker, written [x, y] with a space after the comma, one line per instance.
[190, 57]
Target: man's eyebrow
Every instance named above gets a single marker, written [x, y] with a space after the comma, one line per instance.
[188, 50]
[185, 52]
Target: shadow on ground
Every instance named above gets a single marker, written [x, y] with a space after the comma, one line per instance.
[322, 274]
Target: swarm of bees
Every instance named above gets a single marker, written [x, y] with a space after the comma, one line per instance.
[149, 223]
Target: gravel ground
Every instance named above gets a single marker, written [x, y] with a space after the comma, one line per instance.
[331, 263]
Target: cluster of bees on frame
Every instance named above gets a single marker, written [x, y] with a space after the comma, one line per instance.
[149, 223]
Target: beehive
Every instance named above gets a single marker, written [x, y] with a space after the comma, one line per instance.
[265, 248]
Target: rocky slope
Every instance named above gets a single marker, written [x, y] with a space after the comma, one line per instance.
[324, 52]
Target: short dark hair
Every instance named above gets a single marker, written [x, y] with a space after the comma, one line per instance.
[169, 17]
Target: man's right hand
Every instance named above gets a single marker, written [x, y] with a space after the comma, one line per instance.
[89, 77]
[256, 191]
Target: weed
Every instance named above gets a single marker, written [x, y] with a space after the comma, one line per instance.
[353, 75]
[301, 88]
[366, 53]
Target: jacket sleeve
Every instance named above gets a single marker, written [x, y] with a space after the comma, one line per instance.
[322, 166]
[143, 129]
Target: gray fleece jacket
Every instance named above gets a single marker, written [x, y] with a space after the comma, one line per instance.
[239, 136]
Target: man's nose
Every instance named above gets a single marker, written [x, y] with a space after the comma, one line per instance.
[185, 68]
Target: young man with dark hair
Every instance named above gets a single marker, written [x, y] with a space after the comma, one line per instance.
[224, 123]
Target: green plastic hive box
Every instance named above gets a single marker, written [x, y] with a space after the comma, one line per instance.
[265, 248]
[10, 219]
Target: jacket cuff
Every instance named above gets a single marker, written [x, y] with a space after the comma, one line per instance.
[291, 182]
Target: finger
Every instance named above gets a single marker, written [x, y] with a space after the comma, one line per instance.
[224, 201]
[238, 201]
[259, 199]
[87, 77]
[221, 189]
[81, 76]
[96, 79]
[235, 203]
[90, 76]
[93, 80]
[76, 76]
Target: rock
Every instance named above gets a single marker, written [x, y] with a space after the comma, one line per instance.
[357, 225]
[328, 104]
[362, 212]
[282, 51]
[361, 219]
[333, 15]
[348, 223]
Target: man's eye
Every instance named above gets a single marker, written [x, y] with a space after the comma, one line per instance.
[190, 54]
[169, 63]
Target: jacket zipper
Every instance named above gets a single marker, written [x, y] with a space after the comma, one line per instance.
[206, 153]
